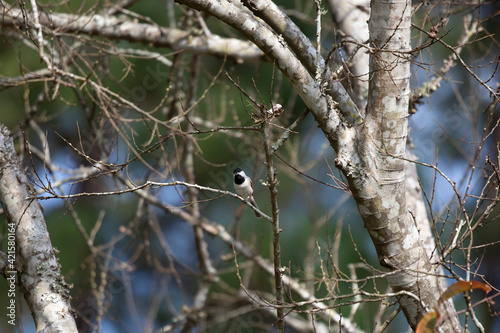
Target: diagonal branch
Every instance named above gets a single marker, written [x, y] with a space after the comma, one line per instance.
[306, 53]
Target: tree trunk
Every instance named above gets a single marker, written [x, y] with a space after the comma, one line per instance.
[380, 189]
[39, 276]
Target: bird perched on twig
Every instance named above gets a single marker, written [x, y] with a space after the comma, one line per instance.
[244, 187]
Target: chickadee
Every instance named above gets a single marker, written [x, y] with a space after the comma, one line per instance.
[243, 186]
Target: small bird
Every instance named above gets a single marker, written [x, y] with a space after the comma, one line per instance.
[244, 187]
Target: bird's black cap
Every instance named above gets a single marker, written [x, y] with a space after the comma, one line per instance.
[237, 170]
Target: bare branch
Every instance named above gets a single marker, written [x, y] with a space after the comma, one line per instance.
[117, 28]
